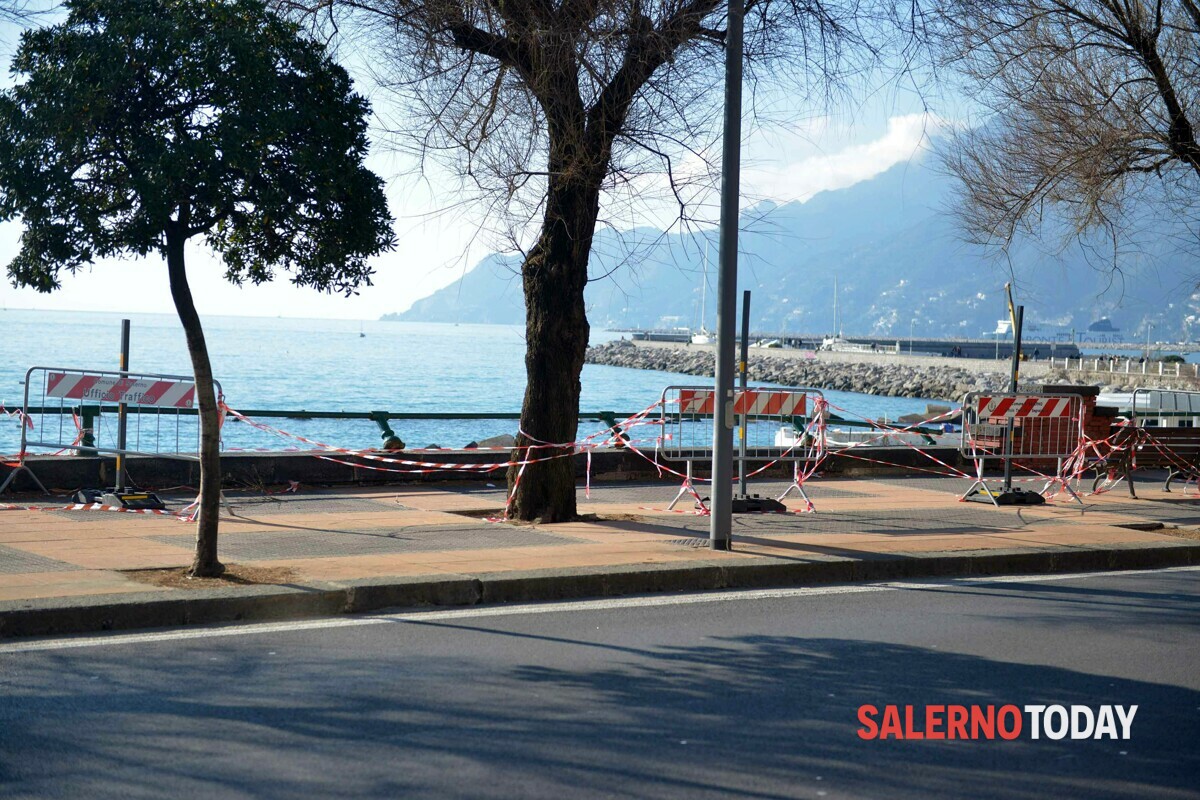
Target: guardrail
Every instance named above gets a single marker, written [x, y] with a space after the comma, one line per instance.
[383, 419]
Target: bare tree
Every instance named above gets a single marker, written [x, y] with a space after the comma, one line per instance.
[1094, 107]
[556, 109]
[20, 12]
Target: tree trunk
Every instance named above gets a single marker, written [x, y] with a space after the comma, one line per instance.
[205, 564]
[556, 332]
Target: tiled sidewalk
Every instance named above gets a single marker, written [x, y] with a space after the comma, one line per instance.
[332, 536]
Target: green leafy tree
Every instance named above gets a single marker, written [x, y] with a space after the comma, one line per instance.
[136, 125]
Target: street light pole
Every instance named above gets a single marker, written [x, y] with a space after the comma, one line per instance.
[721, 507]
[122, 416]
[911, 322]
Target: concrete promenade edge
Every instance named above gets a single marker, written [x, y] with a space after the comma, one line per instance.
[355, 551]
[96, 613]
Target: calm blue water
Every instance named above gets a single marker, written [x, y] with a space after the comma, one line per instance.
[326, 365]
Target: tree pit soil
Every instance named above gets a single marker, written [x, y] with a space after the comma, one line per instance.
[1182, 532]
[497, 517]
[234, 575]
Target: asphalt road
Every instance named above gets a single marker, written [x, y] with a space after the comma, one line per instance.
[752, 695]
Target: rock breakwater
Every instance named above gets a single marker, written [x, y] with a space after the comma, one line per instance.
[884, 379]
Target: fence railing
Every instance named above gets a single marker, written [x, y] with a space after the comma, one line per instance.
[1127, 366]
[89, 414]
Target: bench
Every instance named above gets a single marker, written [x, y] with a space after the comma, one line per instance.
[1176, 450]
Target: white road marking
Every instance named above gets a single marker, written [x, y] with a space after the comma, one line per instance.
[92, 640]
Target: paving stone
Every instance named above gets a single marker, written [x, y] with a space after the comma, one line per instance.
[320, 544]
[1175, 512]
[312, 504]
[16, 562]
[663, 492]
[875, 521]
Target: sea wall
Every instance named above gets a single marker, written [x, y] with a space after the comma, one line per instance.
[871, 373]
[881, 377]
[254, 472]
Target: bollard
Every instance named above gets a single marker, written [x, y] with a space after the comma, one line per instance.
[87, 425]
[390, 440]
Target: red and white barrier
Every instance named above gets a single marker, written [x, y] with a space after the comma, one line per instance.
[1019, 406]
[687, 422]
[141, 391]
[1023, 427]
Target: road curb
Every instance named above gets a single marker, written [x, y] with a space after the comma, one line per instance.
[90, 614]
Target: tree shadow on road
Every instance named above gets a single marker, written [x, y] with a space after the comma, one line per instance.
[579, 714]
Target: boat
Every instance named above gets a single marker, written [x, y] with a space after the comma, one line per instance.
[1100, 332]
[863, 435]
[838, 343]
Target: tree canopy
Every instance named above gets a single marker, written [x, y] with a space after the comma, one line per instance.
[18, 12]
[218, 115]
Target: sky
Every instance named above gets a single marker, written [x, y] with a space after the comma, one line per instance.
[436, 246]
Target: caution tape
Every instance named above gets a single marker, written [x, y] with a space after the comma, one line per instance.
[416, 466]
[17, 414]
[100, 507]
[333, 448]
[909, 429]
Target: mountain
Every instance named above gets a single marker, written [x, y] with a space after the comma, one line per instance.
[899, 262]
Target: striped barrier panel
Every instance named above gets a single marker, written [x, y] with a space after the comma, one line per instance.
[141, 391]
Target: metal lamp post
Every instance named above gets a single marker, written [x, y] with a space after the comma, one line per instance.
[721, 508]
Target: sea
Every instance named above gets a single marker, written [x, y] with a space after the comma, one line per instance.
[338, 365]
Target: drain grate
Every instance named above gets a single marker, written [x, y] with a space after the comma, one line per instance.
[694, 543]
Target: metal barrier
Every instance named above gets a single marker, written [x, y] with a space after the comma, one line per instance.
[1012, 427]
[1165, 408]
[1169, 427]
[166, 423]
[687, 428]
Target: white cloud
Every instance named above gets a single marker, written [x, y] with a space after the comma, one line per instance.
[786, 167]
